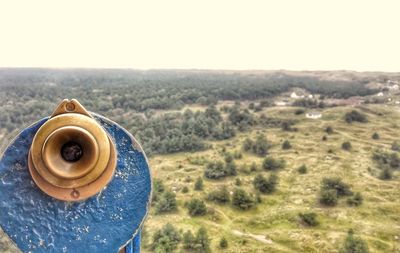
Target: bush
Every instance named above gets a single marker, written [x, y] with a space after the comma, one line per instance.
[396, 146]
[167, 203]
[309, 219]
[185, 189]
[346, 145]
[197, 207]
[158, 189]
[259, 147]
[354, 244]
[253, 167]
[166, 239]
[238, 182]
[336, 184]
[242, 200]
[386, 174]
[329, 130]
[265, 185]
[220, 195]
[198, 185]
[356, 200]
[302, 169]
[223, 243]
[273, 164]
[355, 116]
[200, 243]
[324, 138]
[189, 241]
[299, 111]
[215, 170]
[375, 136]
[286, 145]
[328, 197]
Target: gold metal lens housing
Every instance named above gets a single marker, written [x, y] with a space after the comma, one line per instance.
[71, 179]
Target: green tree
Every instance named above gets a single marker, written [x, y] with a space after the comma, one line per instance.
[355, 116]
[354, 244]
[189, 241]
[197, 207]
[166, 239]
[220, 195]
[167, 203]
[202, 241]
[355, 200]
[334, 183]
[309, 219]
[302, 169]
[346, 145]
[265, 185]
[375, 136]
[386, 174]
[272, 164]
[328, 197]
[198, 185]
[223, 243]
[286, 145]
[242, 199]
[329, 130]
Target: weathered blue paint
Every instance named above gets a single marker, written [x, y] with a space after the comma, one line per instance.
[103, 223]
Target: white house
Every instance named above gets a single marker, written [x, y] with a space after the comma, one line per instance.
[380, 94]
[313, 115]
[294, 95]
[280, 103]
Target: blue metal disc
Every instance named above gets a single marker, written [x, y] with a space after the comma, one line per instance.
[103, 223]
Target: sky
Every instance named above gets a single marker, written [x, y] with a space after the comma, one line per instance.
[205, 34]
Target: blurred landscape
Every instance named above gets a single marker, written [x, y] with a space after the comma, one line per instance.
[243, 161]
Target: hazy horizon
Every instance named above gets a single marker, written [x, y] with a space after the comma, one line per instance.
[248, 35]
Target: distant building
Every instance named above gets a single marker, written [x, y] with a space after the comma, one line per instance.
[380, 94]
[310, 96]
[280, 103]
[294, 95]
[313, 115]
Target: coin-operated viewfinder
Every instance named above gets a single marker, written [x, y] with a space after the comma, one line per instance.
[74, 182]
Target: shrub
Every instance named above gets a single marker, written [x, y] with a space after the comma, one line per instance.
[238, 182]
[197, 207]
[328, 197]
[237, 155]
[215, 170]
[253, 167]
[220, 195]
[158, 189]
[329, 130]
[302, 169]
[228, 157]
[223, 243]
[286, 145]
[324, 138]
[336, 184]
[202, 241]
[261, 146]
[386, 174]
[309, 219]
[375, 136]
[355, 200]
[185, 189]
[346, 145]
[270, 163]
[230, 168]
[354, 244]
[265, 185]
[355, 116]
[167, 203]
[299, 111]
[396, 146]
[198, 185]
[166, 239]
[189, 241]
[242, 200]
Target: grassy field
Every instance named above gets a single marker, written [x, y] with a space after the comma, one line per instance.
[273, 225]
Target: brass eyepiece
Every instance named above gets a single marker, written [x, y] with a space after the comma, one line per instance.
[71, 156]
